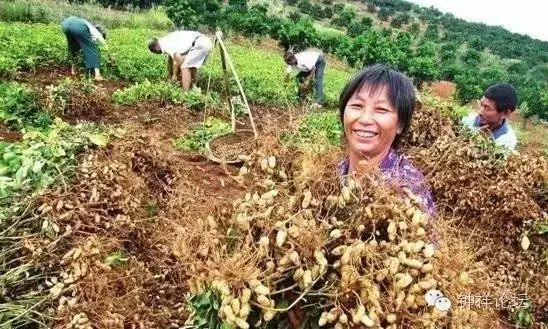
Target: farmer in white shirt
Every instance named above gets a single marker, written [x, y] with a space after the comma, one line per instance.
[311, 65]
[496, 105]
[82, 35]
[186, 50]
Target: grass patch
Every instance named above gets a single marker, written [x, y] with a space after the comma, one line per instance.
[147, 91]
[47, 11]
[316, 129]
[202, 132]
[164, 92]
[19, 107]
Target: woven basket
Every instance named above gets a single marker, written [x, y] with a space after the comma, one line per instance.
[227, 148]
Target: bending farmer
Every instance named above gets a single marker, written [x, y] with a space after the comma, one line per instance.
[311, 65]
[186, 50]
[81, 35]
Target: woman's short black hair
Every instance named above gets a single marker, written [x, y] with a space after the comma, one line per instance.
[401, 93]
[504, 95]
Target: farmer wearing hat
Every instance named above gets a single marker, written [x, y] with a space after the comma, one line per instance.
[186, 50]
[496, 105]
[82, 35]
[311, 66]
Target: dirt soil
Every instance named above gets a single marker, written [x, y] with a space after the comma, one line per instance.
[442, 89]
[8, 135]
[159, 189]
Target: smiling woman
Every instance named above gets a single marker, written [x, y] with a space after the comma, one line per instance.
[376, 108]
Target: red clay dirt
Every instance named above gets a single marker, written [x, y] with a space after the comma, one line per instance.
[442, 89]
[162, 188]
[8, 135]
[171, 188]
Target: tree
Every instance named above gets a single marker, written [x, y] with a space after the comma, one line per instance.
[431, 32]
[345, 17]
[534, 92]
[449, 70]
[348, 13]
[468, 86]
[305, 6]
[355, 28]
[301, 34]
[424, 66]
[238, 5]
[472, 80]
[371, 8]
[476, 43]
[295, 16]
[448, 61]
[123, 4]
[328, 12]
[383, 14]
[251, 23]
[471, 58]
[414, 28]
[191, 14]
[366, 21]
[492, 73]
[386, 32]
[402, 43]
[400, 20]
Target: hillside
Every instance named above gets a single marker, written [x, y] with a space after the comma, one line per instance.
[115, 214]
[434, 46]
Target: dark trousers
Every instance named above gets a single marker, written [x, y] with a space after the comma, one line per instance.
[319, 70]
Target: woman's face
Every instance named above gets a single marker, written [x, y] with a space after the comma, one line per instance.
[370, 123]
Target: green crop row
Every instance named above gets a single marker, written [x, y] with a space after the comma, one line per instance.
[31, 46]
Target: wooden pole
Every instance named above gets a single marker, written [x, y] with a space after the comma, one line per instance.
[227, 86]
[241, 89]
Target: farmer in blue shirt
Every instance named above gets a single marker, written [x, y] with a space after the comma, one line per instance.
[496, 105]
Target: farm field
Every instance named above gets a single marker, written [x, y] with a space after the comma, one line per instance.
[112, 217]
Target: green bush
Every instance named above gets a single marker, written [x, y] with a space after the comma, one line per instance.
[131, 60]
[19, 107]
[191, 14]
[26, 47]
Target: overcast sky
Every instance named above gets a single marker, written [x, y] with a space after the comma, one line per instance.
[521, 16]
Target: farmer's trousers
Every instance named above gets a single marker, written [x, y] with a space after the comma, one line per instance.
[79, 38]
[319, 70]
